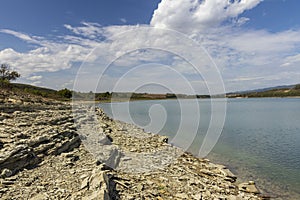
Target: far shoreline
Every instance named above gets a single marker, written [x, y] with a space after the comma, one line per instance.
[126, 100]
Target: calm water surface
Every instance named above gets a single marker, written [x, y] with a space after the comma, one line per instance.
[260, 140]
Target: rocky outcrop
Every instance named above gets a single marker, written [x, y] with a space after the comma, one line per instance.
[48, 151]
[41, 156]
[96, 185]
[28, 136]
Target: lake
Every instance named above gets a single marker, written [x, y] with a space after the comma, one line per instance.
[260, 139]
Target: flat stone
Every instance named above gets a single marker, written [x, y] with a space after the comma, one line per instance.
[85, 183]
[197, 196]
[39, 196]
[182, 196]
[250, 188]
[4, 182]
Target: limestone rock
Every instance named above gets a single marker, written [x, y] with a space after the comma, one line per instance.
[163, 139]
[249, 187]
[40, 196]
[97, 186]
[6, 173]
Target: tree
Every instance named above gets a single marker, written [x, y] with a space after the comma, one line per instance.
[6, 75]
[66, 93]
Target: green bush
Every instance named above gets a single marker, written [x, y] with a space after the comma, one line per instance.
[66, 93]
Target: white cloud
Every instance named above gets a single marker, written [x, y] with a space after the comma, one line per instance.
[34, 78]
[68, 84]
[123, 20]
[22, 36]
[49, 56]
[241, 21]
[246, 79]
[262, 41]
[36, 83]
[89, 30]
[194, 16]
[236, 47]
[291, 61]
[44, 59]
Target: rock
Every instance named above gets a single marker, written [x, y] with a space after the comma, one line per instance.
[182, 196]
[43, 148]
[3, 190]
[14, 101]
[208, 193]
[4, 182]
[109, 155]
[104, 140]
[19, 158]
[249, 187]
[140, 187]
[38, 140]
[197, 196]
[163, 139]
[108, 130]
[40, 196]
[103, 125]
[68, 145]
[85, 183]
[232, 197]
[251, 182]
[98, 184]
[226, 172]
[6, 173]
[207, 172]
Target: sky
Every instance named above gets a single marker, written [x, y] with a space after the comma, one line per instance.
[182, 46]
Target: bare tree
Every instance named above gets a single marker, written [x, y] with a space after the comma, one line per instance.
[6, 75]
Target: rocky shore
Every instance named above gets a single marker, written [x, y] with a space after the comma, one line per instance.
[49, 151]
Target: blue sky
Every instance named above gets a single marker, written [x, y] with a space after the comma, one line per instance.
[47, 18]
[253, 43]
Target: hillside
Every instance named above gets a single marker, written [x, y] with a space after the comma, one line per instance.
[37, 91]
[279, 91]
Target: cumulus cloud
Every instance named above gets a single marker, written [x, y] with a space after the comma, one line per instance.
[49, 56]
[194, 15]
[43, 59]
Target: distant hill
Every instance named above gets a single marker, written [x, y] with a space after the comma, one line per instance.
[278, 91]
[266, 89]
[65, 94]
